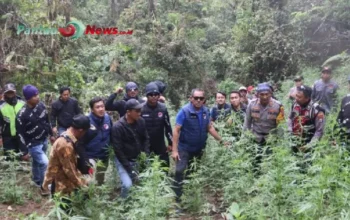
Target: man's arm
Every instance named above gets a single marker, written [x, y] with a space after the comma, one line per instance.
[118, 146]
[213, 132]
[319, 124]
[54, 114]
[77, 109]
[180, 120]
[20, 123]
[66, 158]
[248, 119]
[168, 131]
[313, 95]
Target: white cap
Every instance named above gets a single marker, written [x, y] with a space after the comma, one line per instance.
[242, 88]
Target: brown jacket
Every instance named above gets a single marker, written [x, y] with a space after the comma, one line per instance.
[62, 167]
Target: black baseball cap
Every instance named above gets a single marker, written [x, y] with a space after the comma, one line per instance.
[9, 87]
[133, 104]
[152, 88]
[81, 122]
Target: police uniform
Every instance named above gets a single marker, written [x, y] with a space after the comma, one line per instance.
[261, 120]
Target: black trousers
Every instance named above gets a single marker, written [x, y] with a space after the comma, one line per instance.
[186, 159]
[11, 144]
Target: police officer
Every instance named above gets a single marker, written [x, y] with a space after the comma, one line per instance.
[221, 109]
[190, 135]
[157, 123]
[8, 111]
[306, 120]
[298, 81]
[262, 117]
[325, 90]
[132, 92]
[344, 116]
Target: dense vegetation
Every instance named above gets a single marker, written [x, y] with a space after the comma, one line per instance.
[214, 44]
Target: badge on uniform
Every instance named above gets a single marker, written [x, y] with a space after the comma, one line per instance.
[92, 127]
[204, 116]
[160, 114]
[106, 126]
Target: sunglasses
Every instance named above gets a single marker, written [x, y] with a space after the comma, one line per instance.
[198, 98]
[153, 94]
[132, 90]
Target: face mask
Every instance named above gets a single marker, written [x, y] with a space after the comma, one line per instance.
[11, 101]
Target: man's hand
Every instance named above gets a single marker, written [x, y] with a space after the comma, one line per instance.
[161, 99]
[54, 130]
[169, 148]
[119, 90]
[303, 148]
[52, 139]
[25, 157]
[175, 155]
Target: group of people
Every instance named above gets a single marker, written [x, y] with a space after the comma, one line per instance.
[81, 143]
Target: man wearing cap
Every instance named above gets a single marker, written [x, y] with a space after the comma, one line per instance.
[190, 135]
[325, 91]
[63, 110]
[132, 92]
[33, 127]
[262, 117]
[129, 140]
[8, 111]
[298, 81]
[62, 173]
[157, 123]
[221, 109]
[306, 120]
[243, 91]
[343, 118]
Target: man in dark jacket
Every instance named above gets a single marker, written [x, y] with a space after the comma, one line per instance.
[33, 127]
[97, 139]
[221, 109]
[63, 110]
[129, 139]
[8, 110]
[237, 114]
[132, 92]
[344, 117]
[157, 123]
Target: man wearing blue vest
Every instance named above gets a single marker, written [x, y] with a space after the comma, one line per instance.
[190, 135]
[8, 111]
[97, 138]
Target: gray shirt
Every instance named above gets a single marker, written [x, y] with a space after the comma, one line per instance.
[262, 119]
[325, 94]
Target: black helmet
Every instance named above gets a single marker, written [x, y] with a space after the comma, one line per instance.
[161, 86]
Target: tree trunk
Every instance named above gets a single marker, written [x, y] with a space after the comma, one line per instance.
[151, 8]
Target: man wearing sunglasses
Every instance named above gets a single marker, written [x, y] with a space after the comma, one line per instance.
[190, 135]
[157, 123]
[262, 117]
[306, 120]
[132, 92]
[129, 138]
